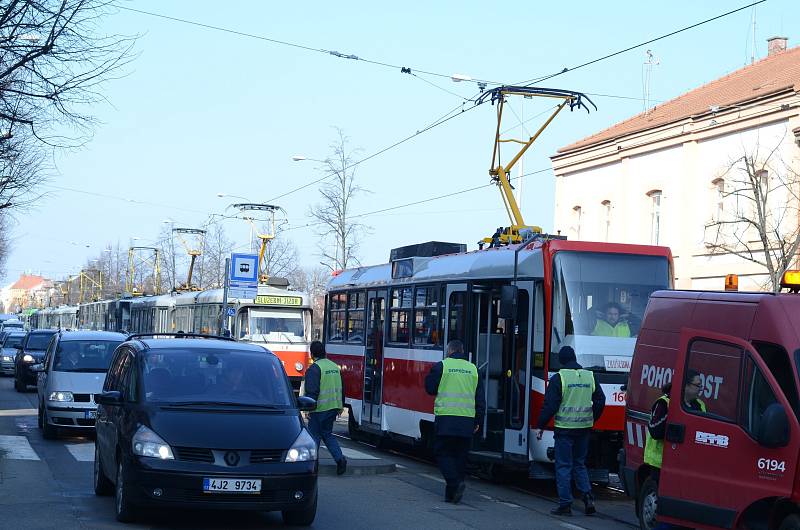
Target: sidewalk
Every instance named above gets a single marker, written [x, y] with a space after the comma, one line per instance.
[358, 461]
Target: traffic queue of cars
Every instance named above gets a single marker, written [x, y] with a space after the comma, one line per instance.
[194, 421]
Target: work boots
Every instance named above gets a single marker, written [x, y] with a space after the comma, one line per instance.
[588, 503]
[562, 510]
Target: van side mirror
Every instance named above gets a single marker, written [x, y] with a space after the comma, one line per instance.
[773, 430]
[306, 404]
[508, 301]
[112, 397]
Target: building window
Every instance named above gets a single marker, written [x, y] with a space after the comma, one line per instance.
[655, 216]
[577, 213]
[607, 213]
[719, 194]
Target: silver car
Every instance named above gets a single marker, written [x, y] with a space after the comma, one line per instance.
[11, 340]
[72, 372]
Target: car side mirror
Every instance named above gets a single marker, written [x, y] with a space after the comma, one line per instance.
[306, 404]
[773, 430]
[112, 397]
[37, 368]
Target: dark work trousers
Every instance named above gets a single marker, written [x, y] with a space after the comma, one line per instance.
[451, 456]
[571, 449]
[320, 427]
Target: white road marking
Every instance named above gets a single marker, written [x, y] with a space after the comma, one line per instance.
[509, 504]
[488, 498]
[352, 453]
[571, 526]
[16, 448]
[82, 452]
[19, 412]
[400, 466]
[437, 479]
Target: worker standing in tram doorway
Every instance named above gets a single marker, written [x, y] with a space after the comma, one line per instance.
[323, 383]
[576, 401]
[459, 408]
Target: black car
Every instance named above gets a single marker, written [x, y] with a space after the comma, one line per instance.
[203, 423]
[30, 352]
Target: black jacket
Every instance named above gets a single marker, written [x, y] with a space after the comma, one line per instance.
[658, 417]
[312, 382]
[552, 399]
[455, 425]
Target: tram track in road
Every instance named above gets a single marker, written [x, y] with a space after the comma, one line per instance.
[518, 484]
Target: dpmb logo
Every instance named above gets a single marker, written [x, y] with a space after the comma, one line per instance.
[707, 438]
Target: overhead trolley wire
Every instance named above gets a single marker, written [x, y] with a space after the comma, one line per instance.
[610, 55]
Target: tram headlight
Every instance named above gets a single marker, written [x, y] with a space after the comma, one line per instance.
[298, 366]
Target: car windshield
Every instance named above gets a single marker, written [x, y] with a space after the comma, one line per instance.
[274, 325]
[38, 341]
[221, 377]
[12, 341]
[598, 304]
[84, 355]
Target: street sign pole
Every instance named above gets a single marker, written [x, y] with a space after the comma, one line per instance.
[223, 323]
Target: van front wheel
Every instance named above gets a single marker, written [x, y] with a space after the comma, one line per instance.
[647, 503]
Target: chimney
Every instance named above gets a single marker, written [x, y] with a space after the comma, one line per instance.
[776, 45]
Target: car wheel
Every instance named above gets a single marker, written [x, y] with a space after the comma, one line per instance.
[102, 486]
[792, 522]
[122, 492]
[301, 517]
[49, 432]
[647, 503]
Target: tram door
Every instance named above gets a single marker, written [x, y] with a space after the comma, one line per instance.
[373, 359]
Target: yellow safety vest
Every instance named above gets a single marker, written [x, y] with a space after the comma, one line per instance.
[330, 386]
[575, 411]
[654, 449]
[456, 393]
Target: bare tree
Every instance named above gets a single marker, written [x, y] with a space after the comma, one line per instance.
[313, 281]
[757, 217]
[217, 248]
[340, 235]
[281, 256]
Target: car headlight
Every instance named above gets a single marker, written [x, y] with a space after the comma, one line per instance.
[61, 396]
[7, 358]
[147, 443]
[298, 366]
[303, 449]
[28, 358]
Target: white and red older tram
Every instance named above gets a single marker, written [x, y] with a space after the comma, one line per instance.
[513, 307]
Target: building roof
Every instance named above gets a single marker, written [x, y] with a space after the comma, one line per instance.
[27, 282]
[774, 73]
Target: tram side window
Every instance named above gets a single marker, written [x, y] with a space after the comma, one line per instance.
[355, 316]
[337, 316]
[426, 316]
[400, 315]
[457, 316]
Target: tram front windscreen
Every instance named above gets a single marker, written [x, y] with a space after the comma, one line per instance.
[598, 304]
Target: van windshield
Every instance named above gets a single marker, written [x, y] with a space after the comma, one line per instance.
[598, 303]
[200, 376]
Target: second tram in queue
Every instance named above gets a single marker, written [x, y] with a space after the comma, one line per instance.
[514, 307]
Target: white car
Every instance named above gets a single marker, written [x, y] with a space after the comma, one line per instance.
[71, 374]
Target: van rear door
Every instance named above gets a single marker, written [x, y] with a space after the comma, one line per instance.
[714, 466]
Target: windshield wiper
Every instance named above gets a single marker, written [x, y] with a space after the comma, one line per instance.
[220, 403]
[287, 337]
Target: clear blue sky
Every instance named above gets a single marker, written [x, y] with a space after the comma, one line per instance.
[203, 112]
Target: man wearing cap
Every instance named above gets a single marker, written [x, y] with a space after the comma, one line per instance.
[576, 401]
[458, 408]
[324, 384]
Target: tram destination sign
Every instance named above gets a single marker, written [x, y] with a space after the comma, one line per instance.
[267, 299]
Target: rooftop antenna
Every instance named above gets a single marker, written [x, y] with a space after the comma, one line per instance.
[753, 52]
[647, 78]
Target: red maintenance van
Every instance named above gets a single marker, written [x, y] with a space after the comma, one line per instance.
[734, 464]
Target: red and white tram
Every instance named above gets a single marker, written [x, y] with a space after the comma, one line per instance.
[513, 307]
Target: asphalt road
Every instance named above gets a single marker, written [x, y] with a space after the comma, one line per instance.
[48, 484]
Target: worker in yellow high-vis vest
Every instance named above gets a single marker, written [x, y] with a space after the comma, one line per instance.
[458, 408]
[324, 383]
[576, 401]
